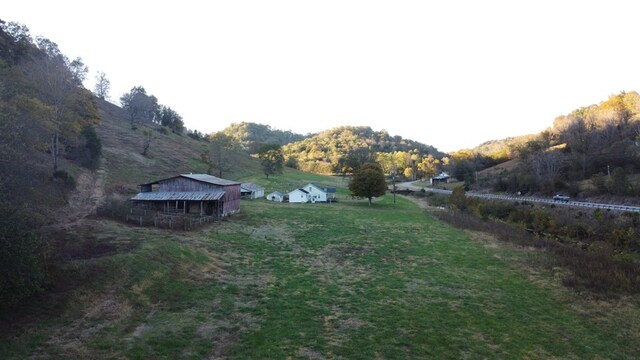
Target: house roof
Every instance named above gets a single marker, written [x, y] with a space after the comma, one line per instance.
[324, 188]
[443, 175]
[303, 190]
[200, 177]
[278, 193]
[251, 187]
[179, 195]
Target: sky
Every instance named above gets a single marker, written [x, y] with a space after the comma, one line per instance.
[452, 74]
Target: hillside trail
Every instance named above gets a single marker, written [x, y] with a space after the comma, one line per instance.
[83, 201]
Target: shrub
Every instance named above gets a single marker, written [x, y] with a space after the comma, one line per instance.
[458, 198]
[595, 270]
[66, 178]
[92, 148]
[115, 207]
[21, 257]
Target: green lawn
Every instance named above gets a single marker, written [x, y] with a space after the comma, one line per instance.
[318, 281]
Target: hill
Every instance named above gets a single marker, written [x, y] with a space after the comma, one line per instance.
[250, 136]
[170, 154]
[590, 152]
[330, 151]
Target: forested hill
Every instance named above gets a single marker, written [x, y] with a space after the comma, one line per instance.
[333, 150]
[250, 136]
[594, 150]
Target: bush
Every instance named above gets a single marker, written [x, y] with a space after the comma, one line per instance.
[92, 148]
[438, 200]
[66, 178]
[458, 198]
[595, 270]
[115, 207]
[21, 257]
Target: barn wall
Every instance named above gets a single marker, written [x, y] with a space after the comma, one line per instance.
[231, 199]
[185, 184]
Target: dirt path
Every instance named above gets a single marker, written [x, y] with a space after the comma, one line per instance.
[84, 200]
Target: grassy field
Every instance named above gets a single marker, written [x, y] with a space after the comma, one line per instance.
[319, 281]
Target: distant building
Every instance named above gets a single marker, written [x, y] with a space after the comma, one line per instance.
[276, 196]
[312, 193]
[442, 178]
[200, 194]
[299, 196]
[251, 191]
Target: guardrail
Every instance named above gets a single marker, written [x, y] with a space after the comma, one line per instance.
[543, 201]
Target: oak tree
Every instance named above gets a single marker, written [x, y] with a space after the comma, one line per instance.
[368, 182]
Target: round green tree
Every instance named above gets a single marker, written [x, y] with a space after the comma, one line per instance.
[368, 182]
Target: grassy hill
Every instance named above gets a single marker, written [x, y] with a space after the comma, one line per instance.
[316, 281]
[171, 154]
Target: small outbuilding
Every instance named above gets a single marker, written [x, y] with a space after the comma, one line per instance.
[251, 191]
[442, 178]
[276, 196]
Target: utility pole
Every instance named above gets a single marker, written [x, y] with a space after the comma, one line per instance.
[393, 180]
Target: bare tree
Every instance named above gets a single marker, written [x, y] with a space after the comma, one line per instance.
[103, 85]
[59, 82]
[146, 140]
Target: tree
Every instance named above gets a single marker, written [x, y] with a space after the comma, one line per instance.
[140, 106]
[218, 156]
[368, 182]
[271, 159]
[170, 118]
[59, 86]
[458, 198]
[103, 85]
[146, 140]
[429, 166]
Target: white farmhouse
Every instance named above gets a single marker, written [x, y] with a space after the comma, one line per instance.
[299, 196]
[318, 193]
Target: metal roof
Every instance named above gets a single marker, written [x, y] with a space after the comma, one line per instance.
[303, 190]
[251, 186]
[200, 177]
[324, 188]
[210, 179]
[179, 195]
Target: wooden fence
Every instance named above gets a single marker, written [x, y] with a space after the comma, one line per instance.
[187, 222]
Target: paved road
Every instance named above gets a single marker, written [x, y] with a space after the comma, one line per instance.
[413, 187]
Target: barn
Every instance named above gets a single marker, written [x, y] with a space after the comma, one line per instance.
[200, 194]
[251, 191]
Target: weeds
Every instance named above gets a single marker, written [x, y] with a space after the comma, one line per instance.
[595, 271]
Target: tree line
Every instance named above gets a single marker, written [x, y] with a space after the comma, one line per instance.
[47, 121]
[594, 149]
[342, 149]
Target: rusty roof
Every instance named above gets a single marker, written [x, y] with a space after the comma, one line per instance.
[179, 195]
